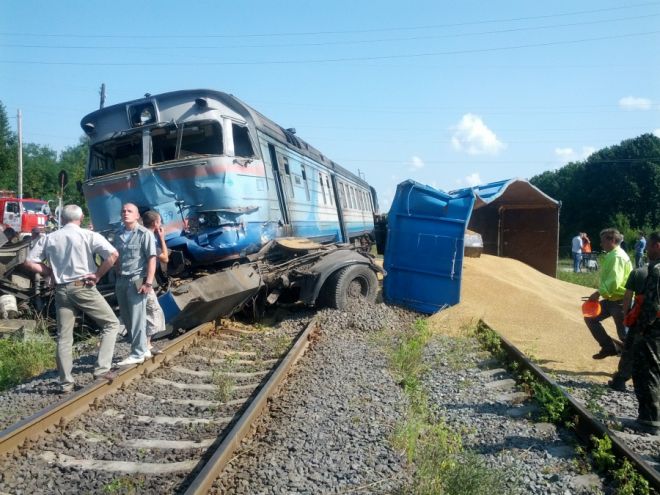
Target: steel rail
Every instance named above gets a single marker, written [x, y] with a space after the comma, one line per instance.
[222, 455]
[586, 424]
[49, 418]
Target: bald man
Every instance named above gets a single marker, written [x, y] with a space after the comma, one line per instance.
[136, 268]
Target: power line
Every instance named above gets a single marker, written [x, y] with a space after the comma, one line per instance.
[348, 31]
[333, 60]
[500, 162]
[325, 43]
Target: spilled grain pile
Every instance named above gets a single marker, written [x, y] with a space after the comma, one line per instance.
[539, 314]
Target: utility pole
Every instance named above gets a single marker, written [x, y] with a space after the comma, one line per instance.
[20, 154]
[102, 93]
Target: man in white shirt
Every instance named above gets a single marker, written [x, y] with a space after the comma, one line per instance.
[70, 253]
[576, 250]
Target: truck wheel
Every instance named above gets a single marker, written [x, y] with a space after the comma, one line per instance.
[351, 285]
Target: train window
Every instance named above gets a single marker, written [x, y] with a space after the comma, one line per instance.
[327, 183]
[116, 154]
[202, 138]
[304, 178]
[362, 201]
[163, 144]
[353, 202]
[285, 173]
[322, 188]
[196, 138]
[242, 143]
[342, 194]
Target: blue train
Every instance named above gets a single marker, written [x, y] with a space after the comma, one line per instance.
[225, 179]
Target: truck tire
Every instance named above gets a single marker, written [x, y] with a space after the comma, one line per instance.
[351, 285]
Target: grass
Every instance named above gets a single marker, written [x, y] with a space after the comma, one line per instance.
[125, 485]
[22, 360]
[435, 450]
[566, 274]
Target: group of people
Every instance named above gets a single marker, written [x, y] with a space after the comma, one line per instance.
[68, 257]
[580, 245]
[630, 296]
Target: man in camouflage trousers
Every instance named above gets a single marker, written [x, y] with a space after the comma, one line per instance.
[646, 367]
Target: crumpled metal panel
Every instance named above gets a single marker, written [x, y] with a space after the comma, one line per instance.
[210, 297]
[201, 186]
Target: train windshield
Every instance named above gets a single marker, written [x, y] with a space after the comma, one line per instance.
[167, 143]
[174, 142]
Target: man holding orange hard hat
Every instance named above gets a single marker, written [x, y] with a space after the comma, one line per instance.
[614, 273]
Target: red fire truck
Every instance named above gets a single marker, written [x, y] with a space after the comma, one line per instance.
[24, 214]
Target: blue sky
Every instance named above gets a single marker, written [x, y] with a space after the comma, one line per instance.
[449, 94]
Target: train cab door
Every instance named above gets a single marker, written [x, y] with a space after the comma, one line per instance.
[279, 174]
[340, 212]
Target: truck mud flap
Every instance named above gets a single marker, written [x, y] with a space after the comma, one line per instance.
[210, 297]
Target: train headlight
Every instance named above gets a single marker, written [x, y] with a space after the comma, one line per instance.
[146, 116]
[141, 114]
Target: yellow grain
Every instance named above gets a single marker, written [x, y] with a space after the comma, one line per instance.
[539, 314]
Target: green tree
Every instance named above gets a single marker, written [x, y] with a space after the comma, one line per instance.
[8, 155]
[39, 171]
[617, 186]
[73, 160]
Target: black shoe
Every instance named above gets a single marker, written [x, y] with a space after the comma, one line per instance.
[617, 384]
[603, 353]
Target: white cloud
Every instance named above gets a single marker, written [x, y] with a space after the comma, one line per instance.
[569, 154]
[566, 153]
[656, 132]
[416, 163]
[474, 179]
[635, 103]
[474, 137]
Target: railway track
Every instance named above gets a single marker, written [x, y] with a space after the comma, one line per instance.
[642, 451]
[171, 426]
[168, 425]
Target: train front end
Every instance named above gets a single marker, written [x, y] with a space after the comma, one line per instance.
[191, 156]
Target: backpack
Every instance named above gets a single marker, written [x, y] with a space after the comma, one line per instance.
[650, 306]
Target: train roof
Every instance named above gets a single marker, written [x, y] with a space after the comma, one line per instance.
[253, 116]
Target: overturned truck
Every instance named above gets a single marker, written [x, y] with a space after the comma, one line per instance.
[288, 270]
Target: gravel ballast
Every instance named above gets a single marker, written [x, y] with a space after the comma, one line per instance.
[330, 428]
